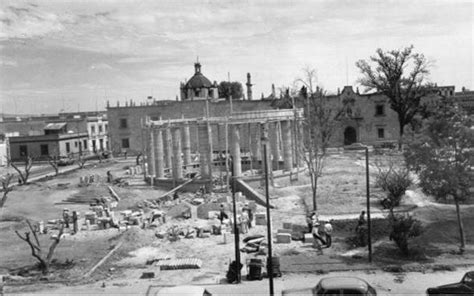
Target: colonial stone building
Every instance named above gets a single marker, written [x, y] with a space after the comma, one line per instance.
[363, 118]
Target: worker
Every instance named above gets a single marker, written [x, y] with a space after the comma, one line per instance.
[328, 233]
[310, 220]
[75, 222]
[317, 239]
[244, 222]
[222, 214]
[66, 217]
[249, 213]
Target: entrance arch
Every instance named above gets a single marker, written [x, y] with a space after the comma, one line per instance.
[350, 135]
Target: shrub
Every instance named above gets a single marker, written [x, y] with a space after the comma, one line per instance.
[394, 181]
[403, 228]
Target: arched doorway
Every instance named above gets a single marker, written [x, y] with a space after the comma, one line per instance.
[350, 135]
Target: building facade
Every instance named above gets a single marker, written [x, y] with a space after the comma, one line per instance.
[40, 130]
[363, 118]
[43, 146]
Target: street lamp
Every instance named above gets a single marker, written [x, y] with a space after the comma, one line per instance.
[368, 202]
[369, 230]
[236, 229]
[267, 200]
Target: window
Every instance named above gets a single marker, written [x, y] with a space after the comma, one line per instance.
[381, 133]
[106, 127]
[92, 129]
[125, 143]
[379, 110]
[23, 150]
[123, 123]
[85, 144]
[94, 148]
[100, 128]
[76, 144]
[44, 149]
[68, 147]
[101, 144]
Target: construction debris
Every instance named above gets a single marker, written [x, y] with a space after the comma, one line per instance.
[182, 263]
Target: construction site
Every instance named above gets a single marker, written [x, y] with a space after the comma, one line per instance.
[170, 215]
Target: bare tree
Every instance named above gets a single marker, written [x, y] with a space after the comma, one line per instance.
[6, 180]
[393, 177]
[54, 162]
[36, 248]
[81, 161]
[25, 172]
[318, 126]
[400, 75]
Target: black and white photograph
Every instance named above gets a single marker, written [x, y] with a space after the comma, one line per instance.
[236, 147]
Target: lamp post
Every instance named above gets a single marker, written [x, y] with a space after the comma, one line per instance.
[267, 200]
[236, 229]
[368, 202]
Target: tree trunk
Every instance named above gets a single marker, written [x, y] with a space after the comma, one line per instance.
[400, 139]
[4, 198]
[314, 185]
[461, 227]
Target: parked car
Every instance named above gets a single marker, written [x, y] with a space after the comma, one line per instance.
[187, 290]
[336, 286]
[64, 160]
[464, 287]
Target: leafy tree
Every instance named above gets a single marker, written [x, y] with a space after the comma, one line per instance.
[404, 227]
[6, 188]
[37, 249]
[227, 89]
[400, 75]
[318, 128]
[27, 165]
[442, 155]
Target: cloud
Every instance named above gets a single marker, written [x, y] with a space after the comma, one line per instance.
[100, 66]
[28, 22]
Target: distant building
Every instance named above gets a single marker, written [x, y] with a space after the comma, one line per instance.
[4, 151]
[54, 131]
[42, 146]
[198, 87]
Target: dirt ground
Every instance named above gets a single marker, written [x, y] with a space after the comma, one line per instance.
[342, 190]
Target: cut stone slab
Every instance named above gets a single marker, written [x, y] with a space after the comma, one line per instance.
[283, 238]
[260, 219]
[308, 238]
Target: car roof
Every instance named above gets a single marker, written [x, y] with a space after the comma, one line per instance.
[331, 283]
[181, 290]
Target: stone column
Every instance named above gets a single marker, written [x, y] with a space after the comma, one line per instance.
[235, 150]
[255, 143]
[151, 154]
[177, 160]
[186, 145]
[159, 154]
[204, 150]
[287, 145]
[264, 134]
[168, 151]
[274, 144]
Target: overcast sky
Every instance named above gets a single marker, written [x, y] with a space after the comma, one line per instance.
[74, 55]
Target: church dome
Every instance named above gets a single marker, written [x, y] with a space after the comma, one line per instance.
[198, 80]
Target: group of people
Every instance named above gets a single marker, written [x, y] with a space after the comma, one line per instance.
[245, 220]
[321, 231]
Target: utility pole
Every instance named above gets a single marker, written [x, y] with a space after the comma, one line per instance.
[236, 229]
[368, 201]
[267, 200]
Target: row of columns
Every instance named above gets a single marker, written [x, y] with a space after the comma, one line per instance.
[170, 147]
